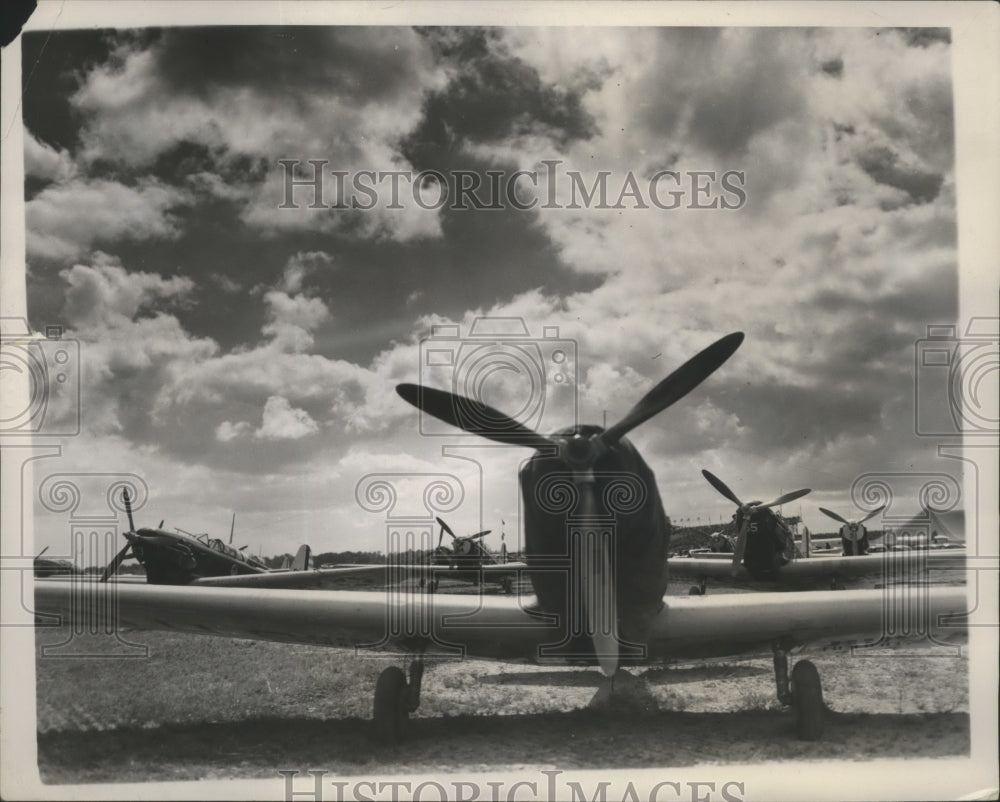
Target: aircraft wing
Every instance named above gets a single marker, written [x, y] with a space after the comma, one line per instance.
[501, 627]
[890, 564]
[346, 576]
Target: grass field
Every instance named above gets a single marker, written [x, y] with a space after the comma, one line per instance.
[204, 707]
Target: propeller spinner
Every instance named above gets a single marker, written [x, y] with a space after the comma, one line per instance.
[579, 450]
[745, 511]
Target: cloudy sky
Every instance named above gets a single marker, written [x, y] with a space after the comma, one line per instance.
[240, 356]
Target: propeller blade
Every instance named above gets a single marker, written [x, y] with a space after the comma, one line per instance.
[832, 514]
[677, 385]
[478, 535]
[741, 544]
[42, 552]
[119, 558]
[232, 528]
[128, 510]
[445, 528]
[719, 485]
[788, 497]
[471, 416]
[873, 513]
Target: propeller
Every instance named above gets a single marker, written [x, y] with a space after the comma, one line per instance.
[119, 558]
[746, 510]
[470, 416]
[853, 532]
[444, 528]
[677, 385]
[581, 454]
[478, 535]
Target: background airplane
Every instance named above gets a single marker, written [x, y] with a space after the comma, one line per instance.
[853, 534]
[50, 567]
[764, 542]
[180, 558]
[467, 556]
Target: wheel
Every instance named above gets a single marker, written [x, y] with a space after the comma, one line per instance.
[807, 701]
[391, 711]
[694, 590]
[507, 584]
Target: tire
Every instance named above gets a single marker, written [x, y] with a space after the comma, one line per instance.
[694, 590]
[807, 701]
[391, 714]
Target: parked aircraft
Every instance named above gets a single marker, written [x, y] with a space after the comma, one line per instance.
[180, 558]
[599, 587]
[853, 534]
[49, 567]
[764, 543]
[467, 556]
[183, 558]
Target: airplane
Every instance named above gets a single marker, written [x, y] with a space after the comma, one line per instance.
[467, 556]
[764, 543]
[49, 567]
[596, 539]
[183, 558]
[180, 558]
[853, 534]
[774, 561]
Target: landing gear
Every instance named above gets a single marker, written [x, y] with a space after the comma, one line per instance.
[803, 692]
[836, 584]
[395, 699]
[507, 584]
[807, 701]
[697, 590]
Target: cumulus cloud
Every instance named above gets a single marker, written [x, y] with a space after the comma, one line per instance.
[103, 295]
[45, 162]
[292, 318]
[151, 99]
[300, 266]
[65, 220]
[228, 430]
[283, 422]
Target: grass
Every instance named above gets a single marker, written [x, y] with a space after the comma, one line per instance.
[217, 707]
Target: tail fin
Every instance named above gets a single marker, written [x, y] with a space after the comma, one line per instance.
[301, 561]
[286, 564]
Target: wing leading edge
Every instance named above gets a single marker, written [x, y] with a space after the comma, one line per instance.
[500, 627]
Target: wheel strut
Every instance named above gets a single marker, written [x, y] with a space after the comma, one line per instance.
[781, 673]
[413, 686]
